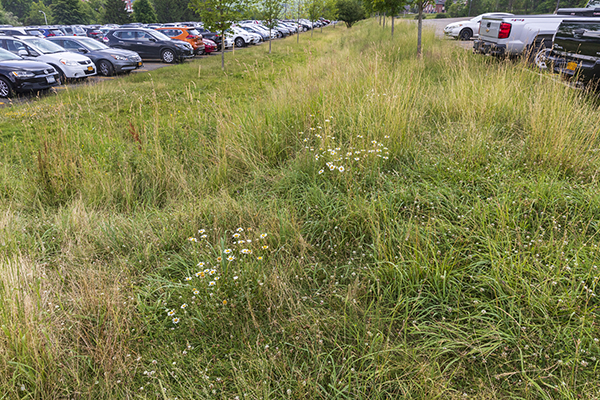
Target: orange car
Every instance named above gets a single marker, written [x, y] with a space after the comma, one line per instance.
[190, 35]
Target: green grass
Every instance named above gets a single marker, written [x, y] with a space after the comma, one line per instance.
[455, 256]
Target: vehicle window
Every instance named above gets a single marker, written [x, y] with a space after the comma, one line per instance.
[176, 32]
[193, 32]
[141, 35]
[92, 44]
[125, 35]
[45, 46]
[7, 55]
[70, 45]
[160, 36]
[14, 46]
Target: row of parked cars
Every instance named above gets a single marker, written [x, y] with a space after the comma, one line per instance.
[567, 42]
[38, 58]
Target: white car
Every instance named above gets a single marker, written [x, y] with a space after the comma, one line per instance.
[465, 30]
[68, 65]
[242, 38]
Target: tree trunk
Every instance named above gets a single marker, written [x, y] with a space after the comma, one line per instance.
[383, 20]
[270, 40]
[223, 50]
[312, 28]
[419, 29]
[392, 25]
[379, 19]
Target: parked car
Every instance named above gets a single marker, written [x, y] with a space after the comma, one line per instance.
[529, 35]
[108, 61]
[20, 31]
[93, 32]
[187, 34]
[576, 49]
[255, 29]
[465, 30]
[68, 65]
[73, 30]
[215, 37]
[209, 46]
[49, 31]
[19, 75]
[149, 44]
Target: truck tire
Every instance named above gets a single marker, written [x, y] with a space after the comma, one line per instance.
[465, 34]
[535, 50]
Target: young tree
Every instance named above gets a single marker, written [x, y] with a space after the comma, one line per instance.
[393, 7]
[143, 12]
[68, 12]
[115, 13]
[350, 11]
[420, 4]
[330, 10]
[218, 16]
[35, 17]
[314, 10]
[271, 11]
[19, 8]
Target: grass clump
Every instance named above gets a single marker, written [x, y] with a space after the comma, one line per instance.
[425, 228]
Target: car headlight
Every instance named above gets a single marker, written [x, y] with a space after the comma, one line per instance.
[117, 57]
[71, 63]
[23, 74]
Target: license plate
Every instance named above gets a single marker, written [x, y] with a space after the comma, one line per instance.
[139, 64]
[571, 66]
[50, 79]
[90, 68]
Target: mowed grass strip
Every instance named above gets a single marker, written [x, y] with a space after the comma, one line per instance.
[336, 220]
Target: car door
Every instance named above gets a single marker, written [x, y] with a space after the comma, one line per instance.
[148, 43]
[125, 40]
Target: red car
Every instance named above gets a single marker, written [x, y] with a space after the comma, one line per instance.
[209, 46]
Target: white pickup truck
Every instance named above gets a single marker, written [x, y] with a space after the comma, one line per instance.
[525, 34]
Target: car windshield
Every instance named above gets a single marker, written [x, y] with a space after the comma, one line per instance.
[160, 36]
[92, 44]
[45, 46]
[193, 32]
[6, 55]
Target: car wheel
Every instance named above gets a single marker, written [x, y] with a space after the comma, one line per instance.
[465, 34]
[168, 56]
[5, 88]
[239, 42]
[62, 79]
[105, 68]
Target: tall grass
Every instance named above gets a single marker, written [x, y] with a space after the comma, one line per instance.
[453, 254]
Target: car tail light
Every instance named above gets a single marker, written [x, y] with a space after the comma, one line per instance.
[504, 31]
[190, 37]
[51, 34]
[105, 39]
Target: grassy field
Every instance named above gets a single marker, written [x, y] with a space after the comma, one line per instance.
[335, 220]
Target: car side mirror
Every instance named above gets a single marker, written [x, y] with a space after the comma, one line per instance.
[82, 50]
[152, 40]
[23, 53]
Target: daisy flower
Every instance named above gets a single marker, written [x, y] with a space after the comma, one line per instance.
[211, 283]
[227, 251]
[264, 235]
[175, 320]
[183, 306]
[171, 313]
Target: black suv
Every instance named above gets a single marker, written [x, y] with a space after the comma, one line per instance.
[149, 44]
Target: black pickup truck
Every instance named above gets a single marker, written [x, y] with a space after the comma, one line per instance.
[576, 49]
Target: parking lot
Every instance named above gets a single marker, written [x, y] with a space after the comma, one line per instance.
[147, 67]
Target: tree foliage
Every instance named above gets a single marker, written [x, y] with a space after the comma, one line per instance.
[218, 16]
[115, 13]
[68, 12]
[271, 10]
[7, 18]
[19, 8]
[173, 10]
[35, 17]
[350, 11]
[143, 12]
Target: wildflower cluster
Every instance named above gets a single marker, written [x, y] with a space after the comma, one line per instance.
[215, 263]
[341, 155]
